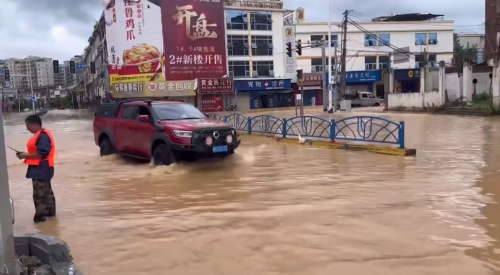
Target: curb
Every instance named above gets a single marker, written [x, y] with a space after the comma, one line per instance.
[337, 145]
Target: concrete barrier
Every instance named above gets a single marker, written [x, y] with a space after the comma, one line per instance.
[46, 254]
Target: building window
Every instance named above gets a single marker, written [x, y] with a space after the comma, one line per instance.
[316, 41]
[335, 40]
[261, 20]
[239, 69]
[370, 40]
[237, 45]
[420, 39]
[263, 68]
[370, 63]
[498, 6]
[384, 39]
[433, 38]
[420, 60]
[236, 20]
[383, 62]
[316, 65]
[262, 45]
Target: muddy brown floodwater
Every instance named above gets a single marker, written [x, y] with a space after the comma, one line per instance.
[276, 209]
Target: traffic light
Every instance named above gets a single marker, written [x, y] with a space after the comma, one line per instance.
[55, 64]
[72, 68]
[289, 49]
[6, 75]
[92, 68]
[299, 74]
[299, 47]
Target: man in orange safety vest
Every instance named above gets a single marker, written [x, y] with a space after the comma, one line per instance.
[40, 156]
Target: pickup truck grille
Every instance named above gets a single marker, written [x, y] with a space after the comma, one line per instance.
[202, 134]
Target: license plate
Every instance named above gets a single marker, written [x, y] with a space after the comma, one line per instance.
[219, 149]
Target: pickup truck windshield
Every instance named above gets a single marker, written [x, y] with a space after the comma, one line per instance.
[177, 112]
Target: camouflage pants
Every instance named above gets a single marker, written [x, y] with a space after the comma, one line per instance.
[44, 199]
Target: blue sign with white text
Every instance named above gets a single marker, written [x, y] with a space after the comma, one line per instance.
[363, 76]
[263, 85]
[407, 74]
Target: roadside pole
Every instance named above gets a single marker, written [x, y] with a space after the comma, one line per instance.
[302, 97]
[334, 89]
[31, 87]
[324, 77]
[389, 80]
[7, 254]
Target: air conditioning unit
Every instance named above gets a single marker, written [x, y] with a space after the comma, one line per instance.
[230, 74]
[254, 73]
[271, 73]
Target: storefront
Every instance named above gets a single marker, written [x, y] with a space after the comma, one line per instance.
[313, 89]
[363, 81]
[215, 94]
[263, 93]
[407, 80]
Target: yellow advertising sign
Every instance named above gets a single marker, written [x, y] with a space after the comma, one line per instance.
[157, 88]
[133, 78]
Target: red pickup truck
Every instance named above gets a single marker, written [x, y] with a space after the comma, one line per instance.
[162, 131]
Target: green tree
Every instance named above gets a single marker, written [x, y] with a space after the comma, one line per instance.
[461, 53]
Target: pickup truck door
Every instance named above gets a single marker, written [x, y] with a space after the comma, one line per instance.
[123, 131]
[142, 134]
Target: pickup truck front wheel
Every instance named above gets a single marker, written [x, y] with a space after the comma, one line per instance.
[106, 148]
[162, 155]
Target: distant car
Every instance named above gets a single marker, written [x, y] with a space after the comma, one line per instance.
[363, 99]
[161, 131]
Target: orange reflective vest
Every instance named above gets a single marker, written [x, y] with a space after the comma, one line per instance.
[32, 149]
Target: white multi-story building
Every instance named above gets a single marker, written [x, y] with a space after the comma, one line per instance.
[365, 52]
[256, 53]
[40, 68]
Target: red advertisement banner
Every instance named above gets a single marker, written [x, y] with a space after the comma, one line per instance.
[215, 86]
[212, 103]
[194, 39]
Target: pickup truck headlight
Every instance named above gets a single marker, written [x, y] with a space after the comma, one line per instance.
[183, 134]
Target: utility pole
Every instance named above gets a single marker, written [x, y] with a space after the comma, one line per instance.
[324, 77]
[7, 254]
[336, 103]
[390, 83]
[344, 55]
[330, 108]
[31, 87]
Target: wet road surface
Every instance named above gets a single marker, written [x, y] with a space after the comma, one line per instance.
[277, 208]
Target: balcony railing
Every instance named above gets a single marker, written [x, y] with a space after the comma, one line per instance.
[266, 4]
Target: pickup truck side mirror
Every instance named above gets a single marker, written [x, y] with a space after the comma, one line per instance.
[144, 118]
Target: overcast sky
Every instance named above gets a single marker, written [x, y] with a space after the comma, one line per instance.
[60, 28]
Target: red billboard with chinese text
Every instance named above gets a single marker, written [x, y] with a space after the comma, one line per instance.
[194, 39]
[210, 86]
[212, 103]
[134, 40]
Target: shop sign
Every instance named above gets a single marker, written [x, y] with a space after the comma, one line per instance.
[212, 103]
[264, 84]
[215, 86]
[313, 79]
[363, 76]
[407, 74]
[159, 88]
[134, 40]
[194, 37]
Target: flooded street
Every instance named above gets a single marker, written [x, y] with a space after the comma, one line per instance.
[276, 209]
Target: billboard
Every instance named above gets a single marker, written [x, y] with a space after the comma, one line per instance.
[194, 39]
[134, 39]
[215, 86]
[157, 88]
